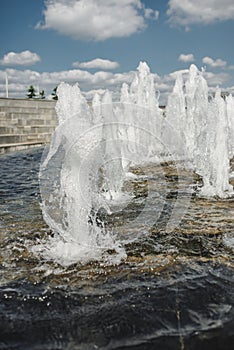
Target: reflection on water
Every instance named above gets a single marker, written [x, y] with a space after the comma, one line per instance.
[174, 291]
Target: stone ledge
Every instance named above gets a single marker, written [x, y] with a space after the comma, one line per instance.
[9, 147]
[24, 137]
[31, 103]
[25, 123]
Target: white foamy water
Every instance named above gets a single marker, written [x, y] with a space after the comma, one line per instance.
[84, 169]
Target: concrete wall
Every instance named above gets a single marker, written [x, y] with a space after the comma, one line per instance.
[25, 123]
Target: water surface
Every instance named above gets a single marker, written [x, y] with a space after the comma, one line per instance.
[173, 291]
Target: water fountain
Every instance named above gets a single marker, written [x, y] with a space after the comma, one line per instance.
[93, 148]
[135, 246]
[204, 123]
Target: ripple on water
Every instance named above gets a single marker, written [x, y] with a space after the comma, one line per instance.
[173, 291]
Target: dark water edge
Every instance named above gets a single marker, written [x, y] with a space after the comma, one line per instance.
[182, 308]
[171, 293]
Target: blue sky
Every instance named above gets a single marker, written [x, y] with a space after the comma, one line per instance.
[99, 43]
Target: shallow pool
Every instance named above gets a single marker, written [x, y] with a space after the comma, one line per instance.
[173, 291]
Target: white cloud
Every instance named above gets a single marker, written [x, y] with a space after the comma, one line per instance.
[24, 58]
[96, 19]
[214, 63]
[89, 94]
[152, 14]
[172, 76]
[188, 12]
[48, 80]
[186, 58]
[19, 81]
[97, 63]
[216, 79]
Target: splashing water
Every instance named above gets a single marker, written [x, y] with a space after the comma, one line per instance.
[70, 199]
[206, 124]
[93, 148]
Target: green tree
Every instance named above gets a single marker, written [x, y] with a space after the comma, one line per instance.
[31, 92]
[42, 94]
[54, 93]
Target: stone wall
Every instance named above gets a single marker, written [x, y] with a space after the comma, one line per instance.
[25, 123]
